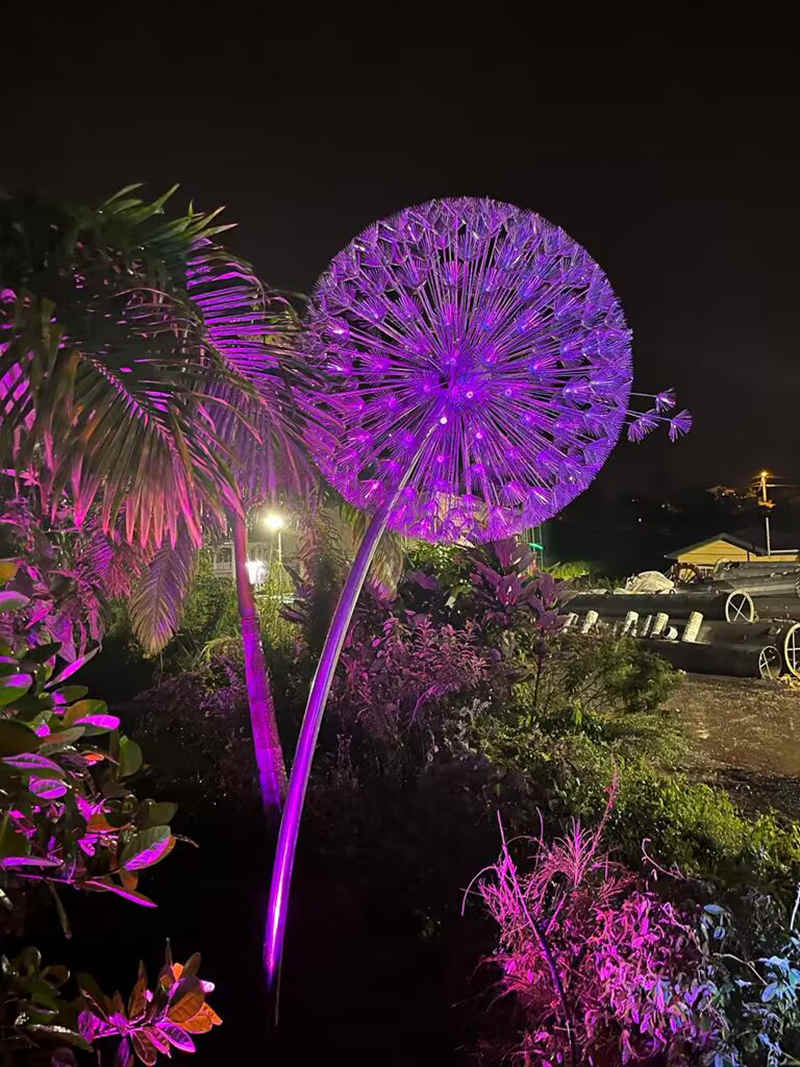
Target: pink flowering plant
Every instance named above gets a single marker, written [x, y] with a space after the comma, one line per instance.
[598, 969]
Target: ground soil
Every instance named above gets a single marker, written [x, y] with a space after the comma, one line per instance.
[745, 736]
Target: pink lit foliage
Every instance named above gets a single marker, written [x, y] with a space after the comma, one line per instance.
[597, 968]
[394, 675]
[68, 574]
[510, 590]
[68, 814]
[143, 378]
[154, 1022]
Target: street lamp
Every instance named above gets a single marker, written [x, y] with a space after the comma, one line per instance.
[275, 522]
[766, 504]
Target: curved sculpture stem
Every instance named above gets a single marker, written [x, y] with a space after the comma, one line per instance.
[278, 903]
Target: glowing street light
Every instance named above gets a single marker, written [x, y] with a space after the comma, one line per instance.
[274, 521]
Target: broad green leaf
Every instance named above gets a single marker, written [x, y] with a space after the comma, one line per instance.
[130, 757]
[114, 887]
[47, 788]
[97, 724]
[70, 693]
[33, 761]
[16, 738]
[62, 1033]
[159, 814]
[73, 667]
[42, 652]
[13, 862]
[55, 742]
[13, 686]
[83, 708]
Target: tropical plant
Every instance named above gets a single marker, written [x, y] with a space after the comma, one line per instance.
[106, 364]
[38, 1024]
[68, 573]
[143, 370]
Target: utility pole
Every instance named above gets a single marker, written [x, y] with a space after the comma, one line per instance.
[766, 504]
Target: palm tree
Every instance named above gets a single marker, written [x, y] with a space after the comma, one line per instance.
[144, 371]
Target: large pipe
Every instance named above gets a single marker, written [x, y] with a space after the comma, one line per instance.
[760, 660]
[783, 633]
[719, 605]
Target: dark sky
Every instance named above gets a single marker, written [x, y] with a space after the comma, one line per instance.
[675, 165]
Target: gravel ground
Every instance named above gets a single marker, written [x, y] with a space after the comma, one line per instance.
[745, 735]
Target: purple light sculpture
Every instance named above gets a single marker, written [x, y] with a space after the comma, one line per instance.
[474, 372]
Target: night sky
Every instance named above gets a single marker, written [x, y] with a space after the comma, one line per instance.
[676, 166]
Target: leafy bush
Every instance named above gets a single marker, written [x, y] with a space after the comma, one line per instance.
[67, 574]
[39, 1024]
[397, 675]
[693, 826]
[68, 813]
[70, 817]
[198, 721]
[759, 997]
[155, 1021]
[600, 969]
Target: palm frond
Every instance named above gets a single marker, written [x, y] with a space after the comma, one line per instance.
[387, 564]
[156, 603]
[256, 330]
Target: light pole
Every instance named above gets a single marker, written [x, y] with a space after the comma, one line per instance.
[766, 504]
[275, 522]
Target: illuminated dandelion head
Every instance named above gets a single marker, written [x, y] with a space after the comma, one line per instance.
[481, 344]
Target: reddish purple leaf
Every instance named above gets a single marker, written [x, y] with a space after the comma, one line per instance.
[176, 1036]
[27, 861]
[105, 722]
[47, 788]
[121, 891]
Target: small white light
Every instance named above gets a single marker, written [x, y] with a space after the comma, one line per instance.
[256, 571]
[274, 521]
[443, 420]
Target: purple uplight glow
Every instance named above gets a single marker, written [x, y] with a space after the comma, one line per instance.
[489, 324]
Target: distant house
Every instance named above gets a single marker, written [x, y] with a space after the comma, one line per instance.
[705, 555]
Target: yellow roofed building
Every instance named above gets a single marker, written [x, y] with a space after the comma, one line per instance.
[726, 548]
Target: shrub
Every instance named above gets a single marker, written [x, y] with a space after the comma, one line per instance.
[600, 970]
[40, 1025]
[70, 817]
[759, 996]
[198, 721]
[396, 676]
[68, 813]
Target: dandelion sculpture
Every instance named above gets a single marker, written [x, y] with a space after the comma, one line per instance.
[476, 371]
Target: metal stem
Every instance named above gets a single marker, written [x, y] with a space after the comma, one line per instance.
[278, 903]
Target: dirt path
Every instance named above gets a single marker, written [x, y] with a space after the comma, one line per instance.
[745, 735]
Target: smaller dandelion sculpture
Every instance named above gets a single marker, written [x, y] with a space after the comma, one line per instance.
[474, 373]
